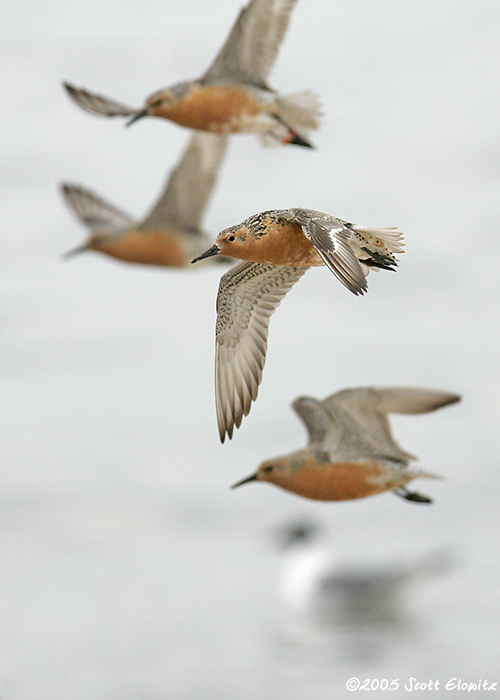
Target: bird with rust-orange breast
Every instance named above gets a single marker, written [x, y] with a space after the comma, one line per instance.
[277, 248]
[171, 233]
[233, 95]
[351, 452]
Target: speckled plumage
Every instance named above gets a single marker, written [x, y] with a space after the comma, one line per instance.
[248, 295]
[279, 246]
[305, 237]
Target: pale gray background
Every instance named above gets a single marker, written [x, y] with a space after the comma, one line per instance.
[128, 570]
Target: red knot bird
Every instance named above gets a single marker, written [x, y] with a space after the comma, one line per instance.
[351, 452]
[170, 234]
[278, 247]
[233, 95]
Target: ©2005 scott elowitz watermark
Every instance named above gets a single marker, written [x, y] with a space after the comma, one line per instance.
[411, 684]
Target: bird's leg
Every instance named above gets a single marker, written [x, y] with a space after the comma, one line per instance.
[292, 137]
[412, 495]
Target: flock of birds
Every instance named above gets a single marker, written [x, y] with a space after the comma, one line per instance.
[351, 452]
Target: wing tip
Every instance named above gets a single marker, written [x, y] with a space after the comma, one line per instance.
[450, 399]
[225, 431]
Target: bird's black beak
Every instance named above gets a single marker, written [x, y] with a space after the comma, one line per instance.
[74, 251]
[253, 477]
[214, 250]
[138, 115]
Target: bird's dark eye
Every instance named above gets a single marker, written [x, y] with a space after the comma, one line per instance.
[268, 469]
[231, 238]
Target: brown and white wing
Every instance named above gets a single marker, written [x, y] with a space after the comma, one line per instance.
[93, 211]
[330, 237]
[251, 48]
[359, 419]
[359, 428]
[189, 186]
[98, 104]
[249, 293]
[314, 417]
[404, 399]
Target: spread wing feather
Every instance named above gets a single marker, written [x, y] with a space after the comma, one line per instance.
[98, 104]
[248, 295]
[189, 186]
[94, 211]
[331, 238]
[360, 426]
[250, 50]
[314, 417]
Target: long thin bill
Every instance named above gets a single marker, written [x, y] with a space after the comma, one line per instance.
[207, 254]
[253, 477]
[74, 251]
[137, 115]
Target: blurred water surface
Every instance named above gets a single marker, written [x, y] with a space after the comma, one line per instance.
[129, 570]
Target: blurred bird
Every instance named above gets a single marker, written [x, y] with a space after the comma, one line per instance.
[312, 583]
[233, 95]
[351, 452]
[170, 234]
[279, 246]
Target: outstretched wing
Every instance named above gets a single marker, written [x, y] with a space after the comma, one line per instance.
[190, 184]
[251, 48]
[93, 211]
[331, 237]
[249, 293]
[314, 417]
[404, 399]
[97, 104]
[359, 423]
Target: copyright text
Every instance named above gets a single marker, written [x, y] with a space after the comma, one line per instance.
[411, 684]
